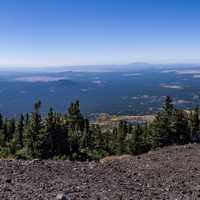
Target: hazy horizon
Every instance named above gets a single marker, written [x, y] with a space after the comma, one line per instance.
[99, 67]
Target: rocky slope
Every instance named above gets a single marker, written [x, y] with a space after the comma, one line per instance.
[168, 173]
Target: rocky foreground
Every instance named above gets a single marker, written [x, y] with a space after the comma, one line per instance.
[168, 173]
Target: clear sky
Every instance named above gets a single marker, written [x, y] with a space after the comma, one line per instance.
[73, 32]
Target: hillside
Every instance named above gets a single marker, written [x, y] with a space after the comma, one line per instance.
[168, 173]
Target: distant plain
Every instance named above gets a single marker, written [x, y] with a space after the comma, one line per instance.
[124, 91]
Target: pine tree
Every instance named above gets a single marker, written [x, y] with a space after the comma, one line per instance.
[163, 124]
[26, 119]
[194, 124]
[20, 131]
[181, 128]
[5, 130]
[75, 117]
[168, 106]
[86, 138]
[1, 121]
[11, 126]
[121, 137]
[56, 141]
[49, 148]
[135, 142]
[34, 134]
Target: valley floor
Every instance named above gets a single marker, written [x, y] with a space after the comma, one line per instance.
[169, 173]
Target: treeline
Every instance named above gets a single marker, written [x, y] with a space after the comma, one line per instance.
[71, 136]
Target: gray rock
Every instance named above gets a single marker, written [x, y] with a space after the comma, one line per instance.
[62, 196]
[8, 180]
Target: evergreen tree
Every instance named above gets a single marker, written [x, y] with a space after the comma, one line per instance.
[75, 118]
[194, 124]
[49, 143]
[26, 119]
[11, 126]
[61, 137]
[168, 106]
[135, 142]
[86, 138]
[121, 137]
[181, 128]
[114, 141]
[20, 131]
[163, 124]
[5, 130]
[1, 121]
[56, 140]
[34, 134]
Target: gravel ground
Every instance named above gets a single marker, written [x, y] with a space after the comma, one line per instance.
[169, 173]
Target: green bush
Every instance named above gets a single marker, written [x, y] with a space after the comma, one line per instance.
[22, 154]
[60, 157]
[5, 153]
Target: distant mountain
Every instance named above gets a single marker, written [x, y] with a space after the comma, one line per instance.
[98, 68]
[103, 68]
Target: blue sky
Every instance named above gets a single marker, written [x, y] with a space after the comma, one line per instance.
[76, 32]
